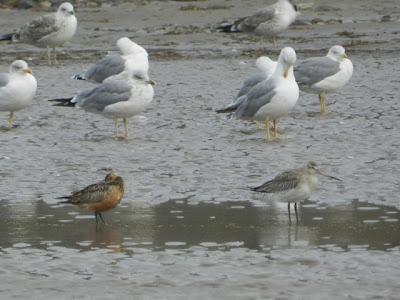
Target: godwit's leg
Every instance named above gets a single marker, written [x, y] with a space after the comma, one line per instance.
[295, 209]
[288, 209]
[101, 218]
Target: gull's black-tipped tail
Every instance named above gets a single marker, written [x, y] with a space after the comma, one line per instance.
[79, 77]
[7, 37]
[227, 27]
[63, 102]
[229, 109]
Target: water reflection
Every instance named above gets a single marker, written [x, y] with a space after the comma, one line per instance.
[179, 224]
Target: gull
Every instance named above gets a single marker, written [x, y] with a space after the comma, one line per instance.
[322, 75]
[294, 185]
[133, 56]
[118, 97]
[49, 31]
[266, 68]
[17, 89]
[99, 197]
[269, 21]
[272, 98]
[266, 65]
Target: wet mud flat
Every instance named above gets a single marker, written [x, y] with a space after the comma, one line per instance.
[188, 226]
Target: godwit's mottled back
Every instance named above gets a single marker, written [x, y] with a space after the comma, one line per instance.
[99, 197]
[294, 185]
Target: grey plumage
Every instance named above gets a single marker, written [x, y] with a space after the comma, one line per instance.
[251, 23]
[313, 70]
[37, 30]
[109, 92]
[4, 78]
[249, 83]
[106, 67]
[281, 183]
[260, 95]
[268, 21]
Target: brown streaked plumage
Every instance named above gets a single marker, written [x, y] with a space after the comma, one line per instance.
[294, 185]
[99, 197]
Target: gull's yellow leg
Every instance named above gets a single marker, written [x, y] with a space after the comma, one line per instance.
[116, 129]
[126, 128]
[55, 55]
[322, 103]
[276, 129]
[49, 55]
[10, 119]
[267, 133]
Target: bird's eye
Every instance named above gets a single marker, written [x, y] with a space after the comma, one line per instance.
[63, 9]
[139, 77]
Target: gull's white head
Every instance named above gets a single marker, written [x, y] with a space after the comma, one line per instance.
[66, 9]
[141, 75]
[20, 66]
[287, 58]
[291, 2]
[265, 64]
[128, 47]
[337, 53]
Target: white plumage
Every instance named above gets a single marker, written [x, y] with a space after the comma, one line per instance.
[17, 89]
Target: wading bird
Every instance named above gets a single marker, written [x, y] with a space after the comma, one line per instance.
[98, 197]
[294, 185]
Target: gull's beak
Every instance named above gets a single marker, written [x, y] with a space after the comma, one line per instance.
[152, 82]
[344, 55]
[285, 73]
[329, 176]
[28, 71]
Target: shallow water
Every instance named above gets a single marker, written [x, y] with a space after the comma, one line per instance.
[188, 226]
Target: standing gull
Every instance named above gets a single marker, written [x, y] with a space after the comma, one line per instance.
[269, 21]
[266, 68]
[133, 56]
[272, 98]
[266, 65]
[17, 89]
[49, 31]
[321, 75]
[98, 197]
[294, 185]
[118, 97]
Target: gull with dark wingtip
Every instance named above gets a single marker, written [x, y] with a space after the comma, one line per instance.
[270, 99]
[268, 21]
[133, 56]
[293, 186]
[98, 197]
[119, 97]
[326, 74]
[49, 31]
